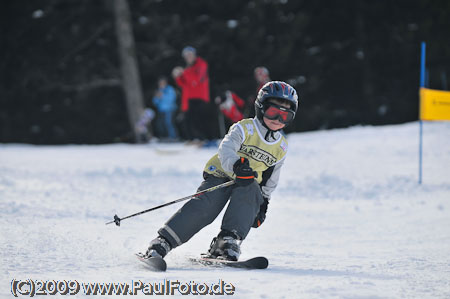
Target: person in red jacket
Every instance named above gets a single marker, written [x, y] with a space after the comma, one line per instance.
[231, 105]
[194, 83]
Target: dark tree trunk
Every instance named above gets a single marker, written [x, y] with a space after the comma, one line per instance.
[131, 81]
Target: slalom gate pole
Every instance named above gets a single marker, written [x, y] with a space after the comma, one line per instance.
[422, 84]
[117, 219]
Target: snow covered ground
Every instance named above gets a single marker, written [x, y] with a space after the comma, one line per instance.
[348, 219]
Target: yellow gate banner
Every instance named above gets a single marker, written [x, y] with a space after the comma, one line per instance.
[434, 104]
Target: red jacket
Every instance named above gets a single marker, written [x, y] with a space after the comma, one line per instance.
[232, 106]
[194, 83]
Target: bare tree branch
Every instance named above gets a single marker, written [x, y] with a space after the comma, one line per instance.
[85, 44]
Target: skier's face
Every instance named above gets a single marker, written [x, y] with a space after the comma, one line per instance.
[275, 124]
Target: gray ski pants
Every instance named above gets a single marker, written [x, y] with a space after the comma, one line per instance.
[244, 203]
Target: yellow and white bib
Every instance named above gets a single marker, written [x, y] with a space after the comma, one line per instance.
[260, 153]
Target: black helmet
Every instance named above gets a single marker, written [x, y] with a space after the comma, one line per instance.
[275, 90]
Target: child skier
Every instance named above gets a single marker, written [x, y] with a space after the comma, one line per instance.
[252, 153]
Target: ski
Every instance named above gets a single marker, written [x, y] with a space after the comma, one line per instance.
[156, 264]
[250, 264]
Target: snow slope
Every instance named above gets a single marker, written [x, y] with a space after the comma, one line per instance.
[347, 220]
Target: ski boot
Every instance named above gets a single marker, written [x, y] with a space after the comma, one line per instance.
[159, 247]
[225, 246]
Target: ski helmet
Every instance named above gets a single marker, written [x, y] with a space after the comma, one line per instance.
[275, 90]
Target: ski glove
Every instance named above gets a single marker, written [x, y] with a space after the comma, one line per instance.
[244, 173]
[261, 216]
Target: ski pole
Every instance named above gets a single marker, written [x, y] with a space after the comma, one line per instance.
[117, 219]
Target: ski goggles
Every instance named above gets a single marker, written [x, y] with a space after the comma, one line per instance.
[282, 114]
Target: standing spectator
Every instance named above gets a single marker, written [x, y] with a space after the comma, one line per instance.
[165, 102]
[194, 84]
[261, 74]
[231, 108]
[231, 105]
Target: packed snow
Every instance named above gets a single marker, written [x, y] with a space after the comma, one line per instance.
[348, 219]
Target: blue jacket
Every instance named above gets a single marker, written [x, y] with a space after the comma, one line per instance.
[168, 100]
